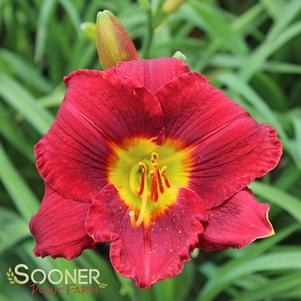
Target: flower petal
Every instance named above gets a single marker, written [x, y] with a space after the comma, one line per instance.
[97, 112]
[152, 74]
[230, 148]
[146, 255]
[59, 227]
[236, 223]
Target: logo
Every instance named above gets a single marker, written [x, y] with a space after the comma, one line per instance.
[11, 276]
[55, 281]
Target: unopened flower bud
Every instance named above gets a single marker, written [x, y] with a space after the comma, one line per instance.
[179, 55]
[170, 6]
[112, 40]
[89, 29]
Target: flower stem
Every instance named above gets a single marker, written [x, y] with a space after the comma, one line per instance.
[149, 35]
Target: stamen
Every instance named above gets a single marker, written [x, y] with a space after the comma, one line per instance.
[142, 183]
[153, 187]
[156, 178]
[155, 164]
[159, 180]
[163, 174]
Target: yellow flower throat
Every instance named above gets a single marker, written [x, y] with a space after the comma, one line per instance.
[148, 176]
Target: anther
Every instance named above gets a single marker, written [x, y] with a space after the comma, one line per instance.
[154, 158]
[163, 174]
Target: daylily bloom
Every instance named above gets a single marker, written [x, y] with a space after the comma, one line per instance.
[150, 157]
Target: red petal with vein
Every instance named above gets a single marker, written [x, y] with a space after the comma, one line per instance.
[59, 227]
[96, 112]
[146, 255]
[236, 223]
[152, 74]
[230, 149]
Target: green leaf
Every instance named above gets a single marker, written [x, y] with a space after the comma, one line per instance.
[217, 26]
[54, 99]
[266, 49]
[297, 128]
[21, 194]
[72, 13]
[12, 133]
[175, 288]
[45, 14]
[276, 196]
[25, 71]
[272, 288]
[222, 277]
[23, 102]
[233, 61]
[4, 298]
[94, 260]
[274, 8]
[11, 233]
[285, 15]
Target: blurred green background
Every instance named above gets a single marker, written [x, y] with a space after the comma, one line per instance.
[250, 49]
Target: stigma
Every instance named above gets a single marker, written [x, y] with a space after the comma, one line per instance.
[153, 183]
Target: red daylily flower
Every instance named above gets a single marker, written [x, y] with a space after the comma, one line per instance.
[152, 158]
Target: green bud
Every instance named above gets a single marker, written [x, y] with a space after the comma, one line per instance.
[170, 6]
[89, 30]
[179, 55]
[112, 40]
